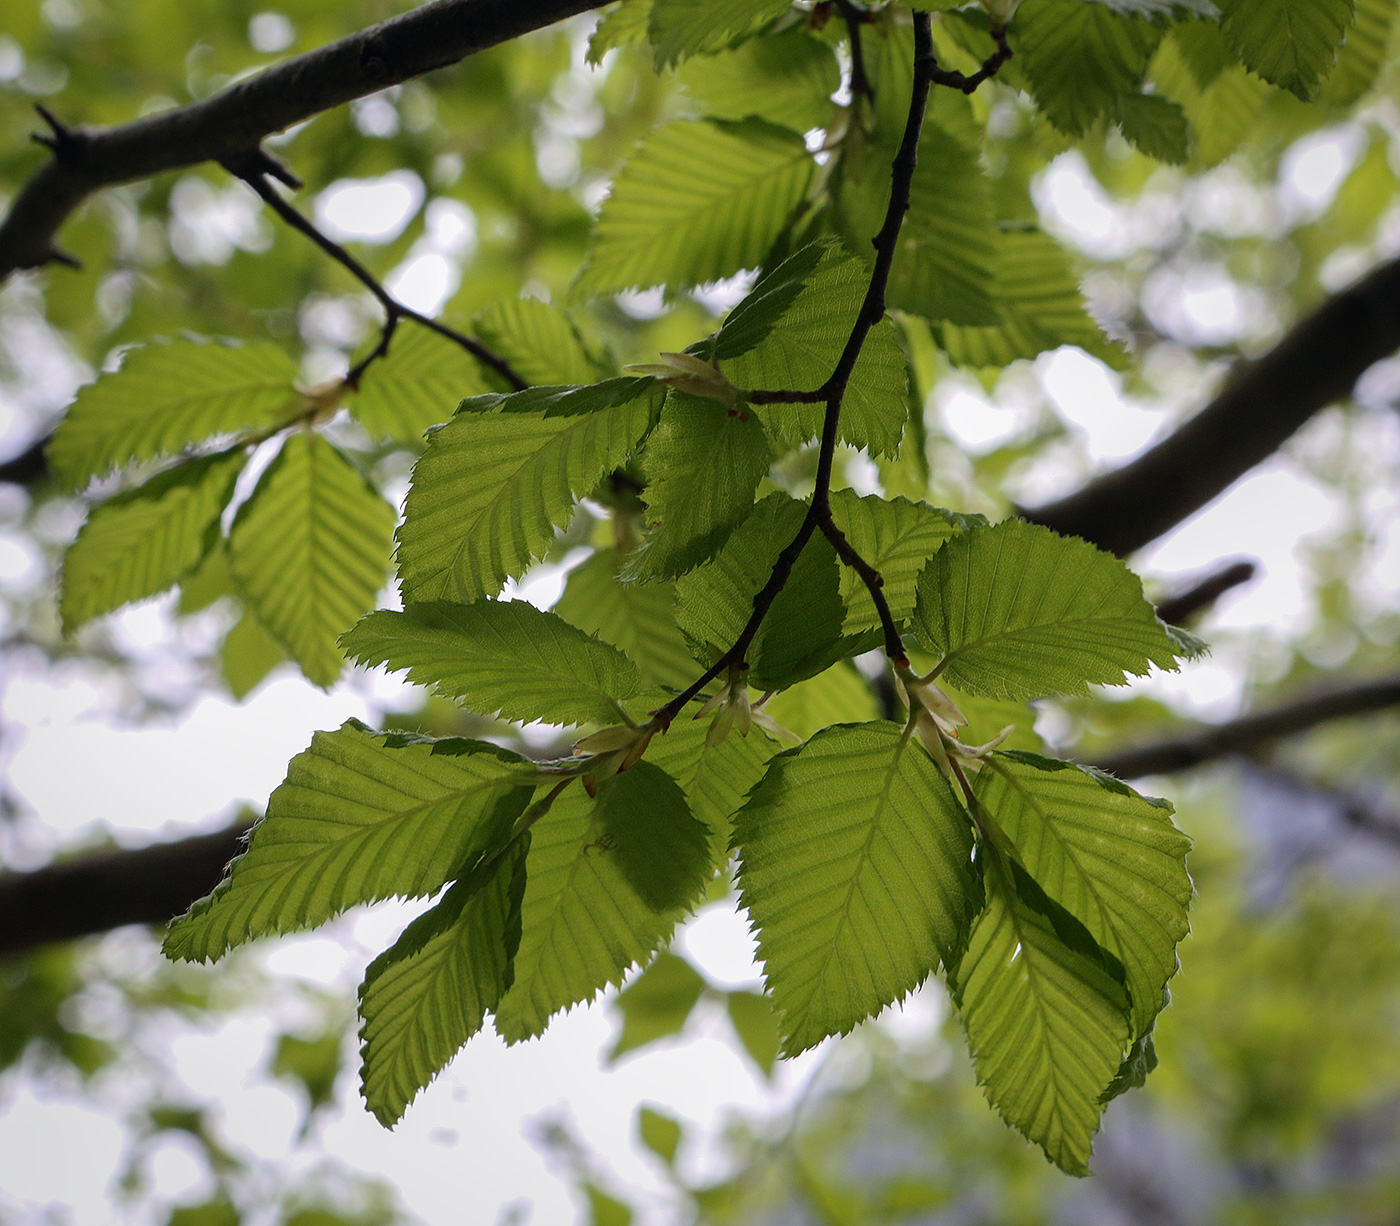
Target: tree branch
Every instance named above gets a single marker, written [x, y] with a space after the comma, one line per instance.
[238, 119]
[1260, 407]
[1179, 609]
[1251, 732]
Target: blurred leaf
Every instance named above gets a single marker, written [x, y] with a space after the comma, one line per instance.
[657, 1003]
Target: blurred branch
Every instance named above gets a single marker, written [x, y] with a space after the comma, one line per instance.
[1179, 609]
[29, 466]
[1260, 407]
[1363, 814]
[1251, 732]
[236, 120]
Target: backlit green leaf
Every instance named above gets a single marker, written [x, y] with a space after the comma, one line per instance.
[361, 817]
[166, 397]
[786, 78]
[855, 866]
[418, 384]
[310, 551]
[1363, 54]
[681, 28]
[248, 654]
[662, 849]
[1157, 126]
[1290, 43]
[1016, 611]
[504, 658]
[503, 475]
[539, 341]
[657, 1003]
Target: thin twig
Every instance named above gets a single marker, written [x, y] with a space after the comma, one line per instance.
[860, 81]
[255, 172]
[1179, 609]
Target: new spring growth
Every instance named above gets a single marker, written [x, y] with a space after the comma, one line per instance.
[610, 751]
[687, 373]
[937, 720]
[733, 710]
[1000, 11]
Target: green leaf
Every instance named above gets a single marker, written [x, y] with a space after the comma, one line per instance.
[1110, 857]
[1156, 126]
[682, 28]
[1040, 306]
[248, 654]
[310, 551]
[147, 539]
[704, 462]
[605, 1210]
[657, 1003]
[855, 866]
[208, 582]
[838, 696]
[539, 341]
[430, 991]
[419, 384]
[1290, 43]
[503, 658]
[697, 202]
[584, 922]
[751, 1014]
[661, 848]
[801, 634]
[659, 1133]
[1080, 58]
[1044, 1018]
[1137, 1066]
[500, 477]
[1364, 53]
[786, 78]
[800, 349]
[750, 322]
[897, 537]
[624, 25]
[638, 618]
[1017, 611]
[361, 817]
[166, 397]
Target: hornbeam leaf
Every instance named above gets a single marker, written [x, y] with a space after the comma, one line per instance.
[1044, 1015]
[681, 28]
[1017, 611]
[1290, 43]
[662, 849]
[750, 322]
[786, 78]
[539, 341]
[418, 384]
[623, 26]
[1110, 857]
[499, 478]
[361, 817]
[800, 350]
[1157, 126]
[430, 991]
[1363, 54]
[144, 540]
[897, 537]
[504, 658]
[638, 618]
[167, 397]
[584, 922]
[704, 461]
[657, 1003]
[310, 551]
[855, 866]
[697, 202]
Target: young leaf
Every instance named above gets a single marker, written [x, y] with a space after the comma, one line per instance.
[504, 658]
[310, 551]
[430, 991]
[699, 201]
[503, 474]
[539, 341]
[855, 866]
[785, 78]
[584, 923]
[1290, 43]
[756, 315]
[361, 817]
[419, 384]
[800, 350]
[704, 461]
[637, 618]
[144, 540]
[166, 397]
[681, 28]
[1016, 611]
[1044, 1017]
[656, 1004]
[661, 848]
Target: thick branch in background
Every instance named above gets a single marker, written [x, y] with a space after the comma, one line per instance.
[1261, 406]
[236, 120]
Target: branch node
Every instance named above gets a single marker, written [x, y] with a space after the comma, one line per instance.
[61, 140]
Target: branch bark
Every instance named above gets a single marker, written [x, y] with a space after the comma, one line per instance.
[1260, 407]
[233, 122]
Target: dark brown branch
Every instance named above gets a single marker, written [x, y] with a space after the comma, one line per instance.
[1260, 407]
[95, 893]
[1179, 609]
[1251, 732]
[241, 117]
[29, 466]
[254, 172]
[990, 67]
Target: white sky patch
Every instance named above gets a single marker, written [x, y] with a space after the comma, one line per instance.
[59, 1154]
[1316, 166]
[370, 210]
[1089, 398]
